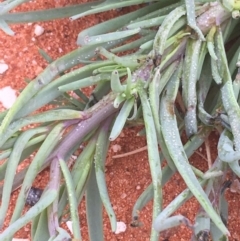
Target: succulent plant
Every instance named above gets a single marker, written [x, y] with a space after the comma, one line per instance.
[182, 75]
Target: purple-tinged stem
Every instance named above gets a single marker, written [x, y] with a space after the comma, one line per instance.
[100, 112]
[53, 223]
[214, 16]
[53, 184]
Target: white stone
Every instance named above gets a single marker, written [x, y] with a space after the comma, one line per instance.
[7, 97]
[3, 68]
[69, 225]
[121, 227]
[116, 148]
[39, 30]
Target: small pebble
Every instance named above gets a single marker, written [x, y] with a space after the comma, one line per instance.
[69, 225]
[34, 195]
[121, 227]
[116, 148]
[39, 30]
[138, 187]
[3, 68]
[7, 97]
